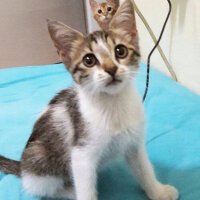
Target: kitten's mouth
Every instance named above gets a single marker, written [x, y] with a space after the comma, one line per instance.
[106, 18]
[114, 81]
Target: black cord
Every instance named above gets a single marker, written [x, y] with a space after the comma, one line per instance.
[157, 43]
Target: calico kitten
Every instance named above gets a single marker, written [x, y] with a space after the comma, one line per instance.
[100, 117]
[103, 12]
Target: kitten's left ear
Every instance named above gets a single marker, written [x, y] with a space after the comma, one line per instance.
[124, 23]
[93, 5]
[65, 39]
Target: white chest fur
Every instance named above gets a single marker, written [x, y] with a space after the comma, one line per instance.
[113, 113]
[115, 121]
[115, 124]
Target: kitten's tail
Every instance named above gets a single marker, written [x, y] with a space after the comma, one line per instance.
[9, 166]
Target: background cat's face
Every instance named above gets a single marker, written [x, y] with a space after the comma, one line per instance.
[104, 61]
[104, 12]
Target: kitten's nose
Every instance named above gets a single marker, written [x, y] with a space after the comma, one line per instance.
[111, 70]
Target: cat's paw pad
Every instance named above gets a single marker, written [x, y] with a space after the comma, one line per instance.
[165, 192]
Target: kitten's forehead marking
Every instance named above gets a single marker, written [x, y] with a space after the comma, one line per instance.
[103, 45]
[101, 51]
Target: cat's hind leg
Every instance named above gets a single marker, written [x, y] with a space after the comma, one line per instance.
[43, 172]
[46, 186]
[42, 186]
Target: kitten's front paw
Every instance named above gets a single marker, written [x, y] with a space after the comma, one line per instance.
[165, 192]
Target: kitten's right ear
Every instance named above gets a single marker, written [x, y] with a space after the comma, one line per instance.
[64, 38]
[124, 23]
[93, 5]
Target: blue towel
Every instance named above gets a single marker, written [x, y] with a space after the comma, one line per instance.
[172, 138]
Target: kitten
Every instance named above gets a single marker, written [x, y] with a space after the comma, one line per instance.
[100, 117]
[103, 12]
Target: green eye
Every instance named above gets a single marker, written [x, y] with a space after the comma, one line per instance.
[89, 60]
[121, 51]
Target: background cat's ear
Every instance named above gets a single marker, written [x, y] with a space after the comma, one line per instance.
[93, 5]
[64, 38]
[124, 22]
[112, 2]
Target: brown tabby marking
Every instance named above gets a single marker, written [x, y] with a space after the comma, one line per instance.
[81, 73]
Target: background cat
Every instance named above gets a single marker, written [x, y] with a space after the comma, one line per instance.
[103, 12]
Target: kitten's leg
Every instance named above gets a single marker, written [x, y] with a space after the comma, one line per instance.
[66, 193]
[143, 171]
[84, 174]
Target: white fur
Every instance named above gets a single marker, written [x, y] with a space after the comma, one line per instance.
[117, 127]
[42, 186]
[113, 113]
[49, 186]
[102, 18]
[84, 173]
[143, 171]
[63, 122]
[103, 45]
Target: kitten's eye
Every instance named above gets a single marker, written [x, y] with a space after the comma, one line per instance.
[89, 60]
[109, 9]
[121, 51]
[99, 11]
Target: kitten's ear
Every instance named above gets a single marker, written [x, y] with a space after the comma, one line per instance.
[93, 5]
[124, 23]
[64, 39]
[111, 2]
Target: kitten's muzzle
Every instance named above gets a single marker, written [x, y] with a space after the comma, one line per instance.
[111, 70]
[114, 81]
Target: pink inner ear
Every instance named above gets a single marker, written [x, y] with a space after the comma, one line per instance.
[93, 4]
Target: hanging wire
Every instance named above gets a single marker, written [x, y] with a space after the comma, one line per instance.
[149, 56]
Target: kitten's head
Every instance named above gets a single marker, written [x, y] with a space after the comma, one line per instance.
[103, 12]
[104, 61]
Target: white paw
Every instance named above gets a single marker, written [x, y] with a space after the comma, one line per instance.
[164, 192]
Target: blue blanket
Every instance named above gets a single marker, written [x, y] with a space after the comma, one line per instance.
[173, 131]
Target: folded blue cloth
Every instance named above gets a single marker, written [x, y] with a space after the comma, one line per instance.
[173, 131]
